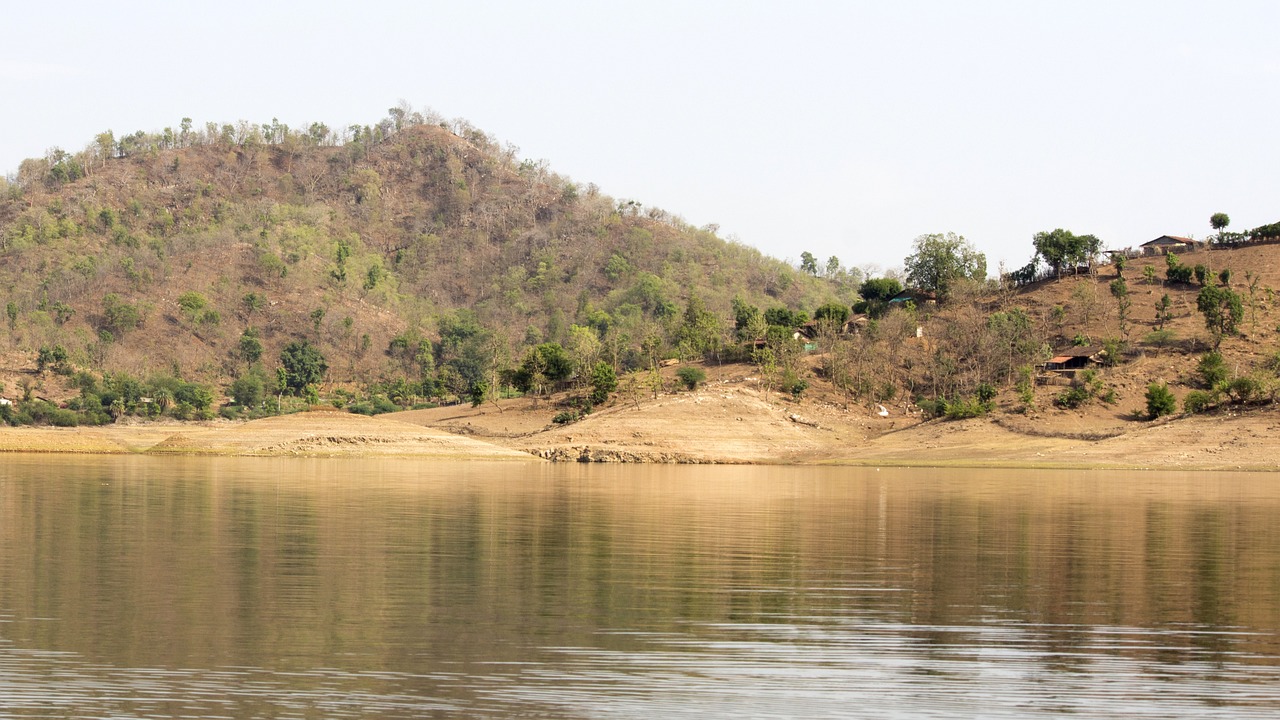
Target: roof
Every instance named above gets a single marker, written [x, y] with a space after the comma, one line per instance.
[1080, 351]
[1169, 239]
[914, 294]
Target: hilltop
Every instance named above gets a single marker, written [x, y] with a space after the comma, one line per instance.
[152, 253]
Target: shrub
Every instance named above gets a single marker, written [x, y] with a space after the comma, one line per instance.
[566, 417]
[1213, 371]
[791, 383]
[63, 418]
[182, 411]
[691, 376]
[1160, 401]
[1245, 389]
[1026, 386]
[932, 408]
[1198, 401]
[361, 408]
[986, 393]
[1073, 397]
[383, 404]
[1160, 338]
[966, 408]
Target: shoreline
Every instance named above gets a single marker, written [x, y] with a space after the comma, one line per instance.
[1239, 443]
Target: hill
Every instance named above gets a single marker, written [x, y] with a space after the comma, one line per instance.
[153, 253]
[255, 270]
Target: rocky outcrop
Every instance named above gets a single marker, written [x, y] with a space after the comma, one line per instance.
[589, 454]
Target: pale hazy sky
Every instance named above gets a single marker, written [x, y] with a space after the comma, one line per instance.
[842, 128]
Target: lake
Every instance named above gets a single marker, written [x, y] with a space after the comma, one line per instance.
[298, 588]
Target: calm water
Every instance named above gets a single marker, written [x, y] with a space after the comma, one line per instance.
[143, 587]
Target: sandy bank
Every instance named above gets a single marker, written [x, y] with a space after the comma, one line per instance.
[728, 422]
[733, 421]
[315, 434]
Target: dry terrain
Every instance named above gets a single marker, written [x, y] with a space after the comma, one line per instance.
[732, 418]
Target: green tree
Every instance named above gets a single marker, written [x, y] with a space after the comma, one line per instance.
[478, 393]
[247, 390]
[62, 313]
[1160, 401]
[548, 362]
[1061, 248]
[1120, 291]
[1222, 310]
[11, 310]
[617, 268]
[584, 347]
[1219, 222]
[876, 293]
[938, 261]
[250, 345]
[699, 331]
[808, 263]
[54, 358]
[194, 394]
[119, 316]
[374, 275]
[604, 380]
[1163, 311]
[834, 313]
[785, 318]
[303, 365]
[748, 321]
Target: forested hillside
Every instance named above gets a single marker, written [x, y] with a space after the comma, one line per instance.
[408, 250]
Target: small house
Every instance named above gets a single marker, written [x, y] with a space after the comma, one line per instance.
[806, 332]
[1166, 244]
[915, 296]
[808, 335]
[1074, 358]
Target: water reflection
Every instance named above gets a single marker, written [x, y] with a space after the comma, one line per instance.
[346, 588]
